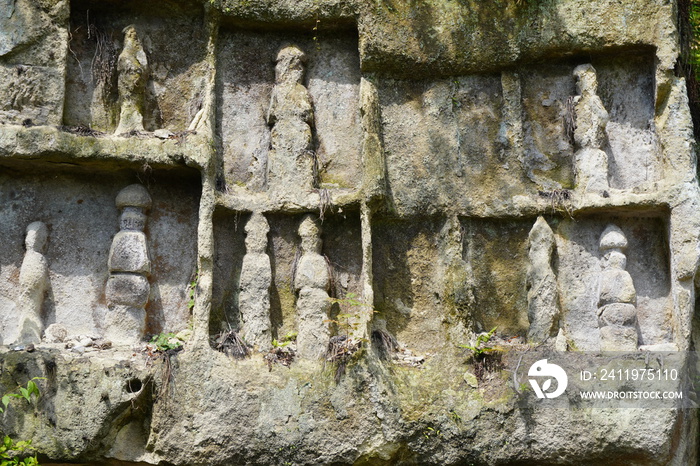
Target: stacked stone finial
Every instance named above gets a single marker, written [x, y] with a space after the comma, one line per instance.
[255, 281]
[617, 313]
[312, 282]
[129, 267]
[33, 283]
[542, 305]
[591, 161]
[132, 67]
[291, 115]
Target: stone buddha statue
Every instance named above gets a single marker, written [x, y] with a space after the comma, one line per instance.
[617, 312]
[311, 283]
[129, 265]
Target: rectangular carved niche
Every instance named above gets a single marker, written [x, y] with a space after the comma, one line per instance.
[547, 147]
[626, 87]
[580, 269]
[80, 213]
[444, 137]
[174, 38]
[497, 252]
[409, 281]
[341, 244]
[229, 248]
[436, 280]
[246, 77]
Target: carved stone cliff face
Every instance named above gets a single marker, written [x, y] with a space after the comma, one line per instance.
[351, 193]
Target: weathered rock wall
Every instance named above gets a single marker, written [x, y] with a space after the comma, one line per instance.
[427, 136]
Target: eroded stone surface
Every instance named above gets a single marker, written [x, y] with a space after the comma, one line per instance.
[33, 50]
[426, 208]
[579, 278]
[247, 61]
[128, 289]
[55, 333]
[542, 296]
[129, 253]
[83, 219]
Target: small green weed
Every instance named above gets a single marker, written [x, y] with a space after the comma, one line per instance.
[479, 349]
[192, 291]
[25, 393]
[486, 358]
[11, 452]
[430, 432]
[285, 340]
[166, 341]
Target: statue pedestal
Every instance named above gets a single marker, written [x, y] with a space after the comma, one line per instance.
[125, 325]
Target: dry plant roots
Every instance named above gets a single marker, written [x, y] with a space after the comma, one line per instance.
[385, 343]
[340, 349]
[81, 130]
[558, 200]
[284, 356]
[487, 363]
[232, 345]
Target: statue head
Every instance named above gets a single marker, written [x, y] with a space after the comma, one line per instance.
[134, 195]
[130, 36]
[613, 238]
[290, 64]
[310, 234]
[613, 244]
[586, 80]
[256, 231]
[36, 237]
[541, 234]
